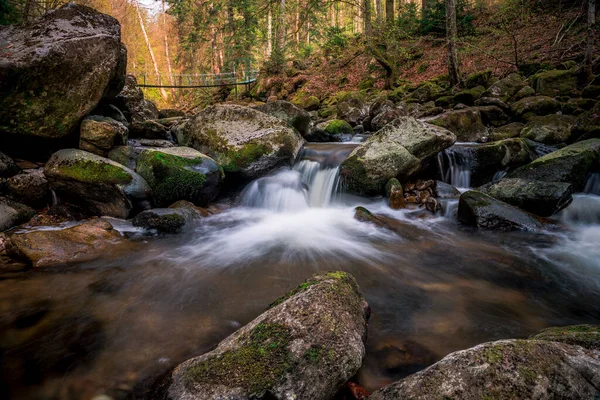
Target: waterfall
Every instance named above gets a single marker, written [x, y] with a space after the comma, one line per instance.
[585, 208]
[455, 166]
[593, 184]
[312, 182]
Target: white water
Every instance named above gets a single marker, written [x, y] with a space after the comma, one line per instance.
[455, 167]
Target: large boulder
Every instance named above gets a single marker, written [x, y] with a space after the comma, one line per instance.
[399, 150]
[506, 88]
[555, 83]
[13, 213]
[56, 69]
[571, 164]
[538, 197]
[533, 106]
[102, 186]
[352, 110]
[132, 103]
[587, 125]
[295, 117]
[45, 248]
[180, 173]
[549, 129]
[493, 116]
[507, 369]
[245, 142]
[466, 124]
[468, 96]
[306, 346]
[100, 134]
[485, 212]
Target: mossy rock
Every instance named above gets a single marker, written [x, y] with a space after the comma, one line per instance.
[180, 173]
[445, 101]
[295, 117]
[588, 124]
[166, 220]
[423, 93]
[505, 88]
[100, 134]
[587, 336]
[468, 96]
[549, 129]
[102, 186]
[535, 106]
[305, 346]
[484, 78]
[246, 143]
[506, 131]
[466, 124]
[555, 83]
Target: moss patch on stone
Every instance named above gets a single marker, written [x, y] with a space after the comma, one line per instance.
[587, 336]
[95, 172]
[339, 275]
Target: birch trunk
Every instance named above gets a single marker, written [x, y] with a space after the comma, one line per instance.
[167, 56]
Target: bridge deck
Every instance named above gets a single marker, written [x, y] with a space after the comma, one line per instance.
[191, 81]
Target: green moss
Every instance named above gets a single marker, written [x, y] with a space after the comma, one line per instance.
[256, 367]
[494, 354]
[239, 159]
[95, 172]
[337, 126]
[587, 336]
[343, 276]
[315, 354]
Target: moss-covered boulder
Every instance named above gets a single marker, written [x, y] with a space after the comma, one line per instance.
[571, 164]
[335, 130]
[246, 143]
[286, 111]
[100, 185]
[167, 220]
[306, 346]
[492, 101]
[56, 69]
[555, 83]
[466, 124]
[132, 103]
[311, 103]
[13, 213]
[549, 129]
[180, 173]
[485, 212]
[506, 132]
[396, 151]
[507, 369]
[586, 336]
[506, 88]
[48, 248]
[352, 109]
[483, 78]
[587, 125]
[537, 197]
[527, 91]
[100, 134]
[425, 92]
[468, 96]
[127, 155]
[493, 116]
[535, 106]
[8, 167]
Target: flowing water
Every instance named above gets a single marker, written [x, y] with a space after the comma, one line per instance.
[111, 326]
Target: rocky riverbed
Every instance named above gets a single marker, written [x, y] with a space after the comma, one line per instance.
[147, 253]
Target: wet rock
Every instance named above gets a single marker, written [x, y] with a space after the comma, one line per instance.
[45, 248]
[466, 124]
[396, 151]
[180, 173]
[203, 212]
[286, 111]
[537, 197]
[352, 110]
[532, 106]
[506, 88]
[149, 130]
[167, 220]
[586, 336]
[56, 69]
[555, 83]
[506, 132]
[100, 134]
[13, 213]
[395, 194]
[549, 129]
[131, 101]
[8, 167]
[520, 369]
[445, 191]
[170, 113]
[468, 96]
[30, 187]
[245, 142]
[571, 164]
[485, 212]
[102, 186]
[306, 346]
[587, 125]
[335, 130]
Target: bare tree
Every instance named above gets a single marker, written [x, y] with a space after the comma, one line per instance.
[389, 12]
[367, 17]
[589, 50]
[451, 36]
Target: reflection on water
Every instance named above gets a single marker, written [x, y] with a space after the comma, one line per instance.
[111, 326]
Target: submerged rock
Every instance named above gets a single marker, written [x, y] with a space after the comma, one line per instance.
[306, 346]
[295, 117]
[466, 124]
[100, 134]
[167, 220]
[244, 142]
[56, 69]
[507, 369]
[13, 213]
[180, 173]
[396, 151]
[102, 186]
[45, 248]
[485, 212]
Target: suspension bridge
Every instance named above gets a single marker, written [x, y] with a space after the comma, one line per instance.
[194, 81]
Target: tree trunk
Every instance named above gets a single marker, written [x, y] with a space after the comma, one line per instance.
[167, 56]
[282, 30]
[163, 93]
[389, 12]
[269, 33]
[451, 34]
[589, 50]
[379, 6]
[367, 17]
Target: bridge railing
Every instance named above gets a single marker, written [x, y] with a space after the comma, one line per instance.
[197, 80]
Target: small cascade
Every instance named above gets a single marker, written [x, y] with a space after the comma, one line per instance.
[455, 165]
[313, 181]
[499, 175]
[585, 208]
[593, 184]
